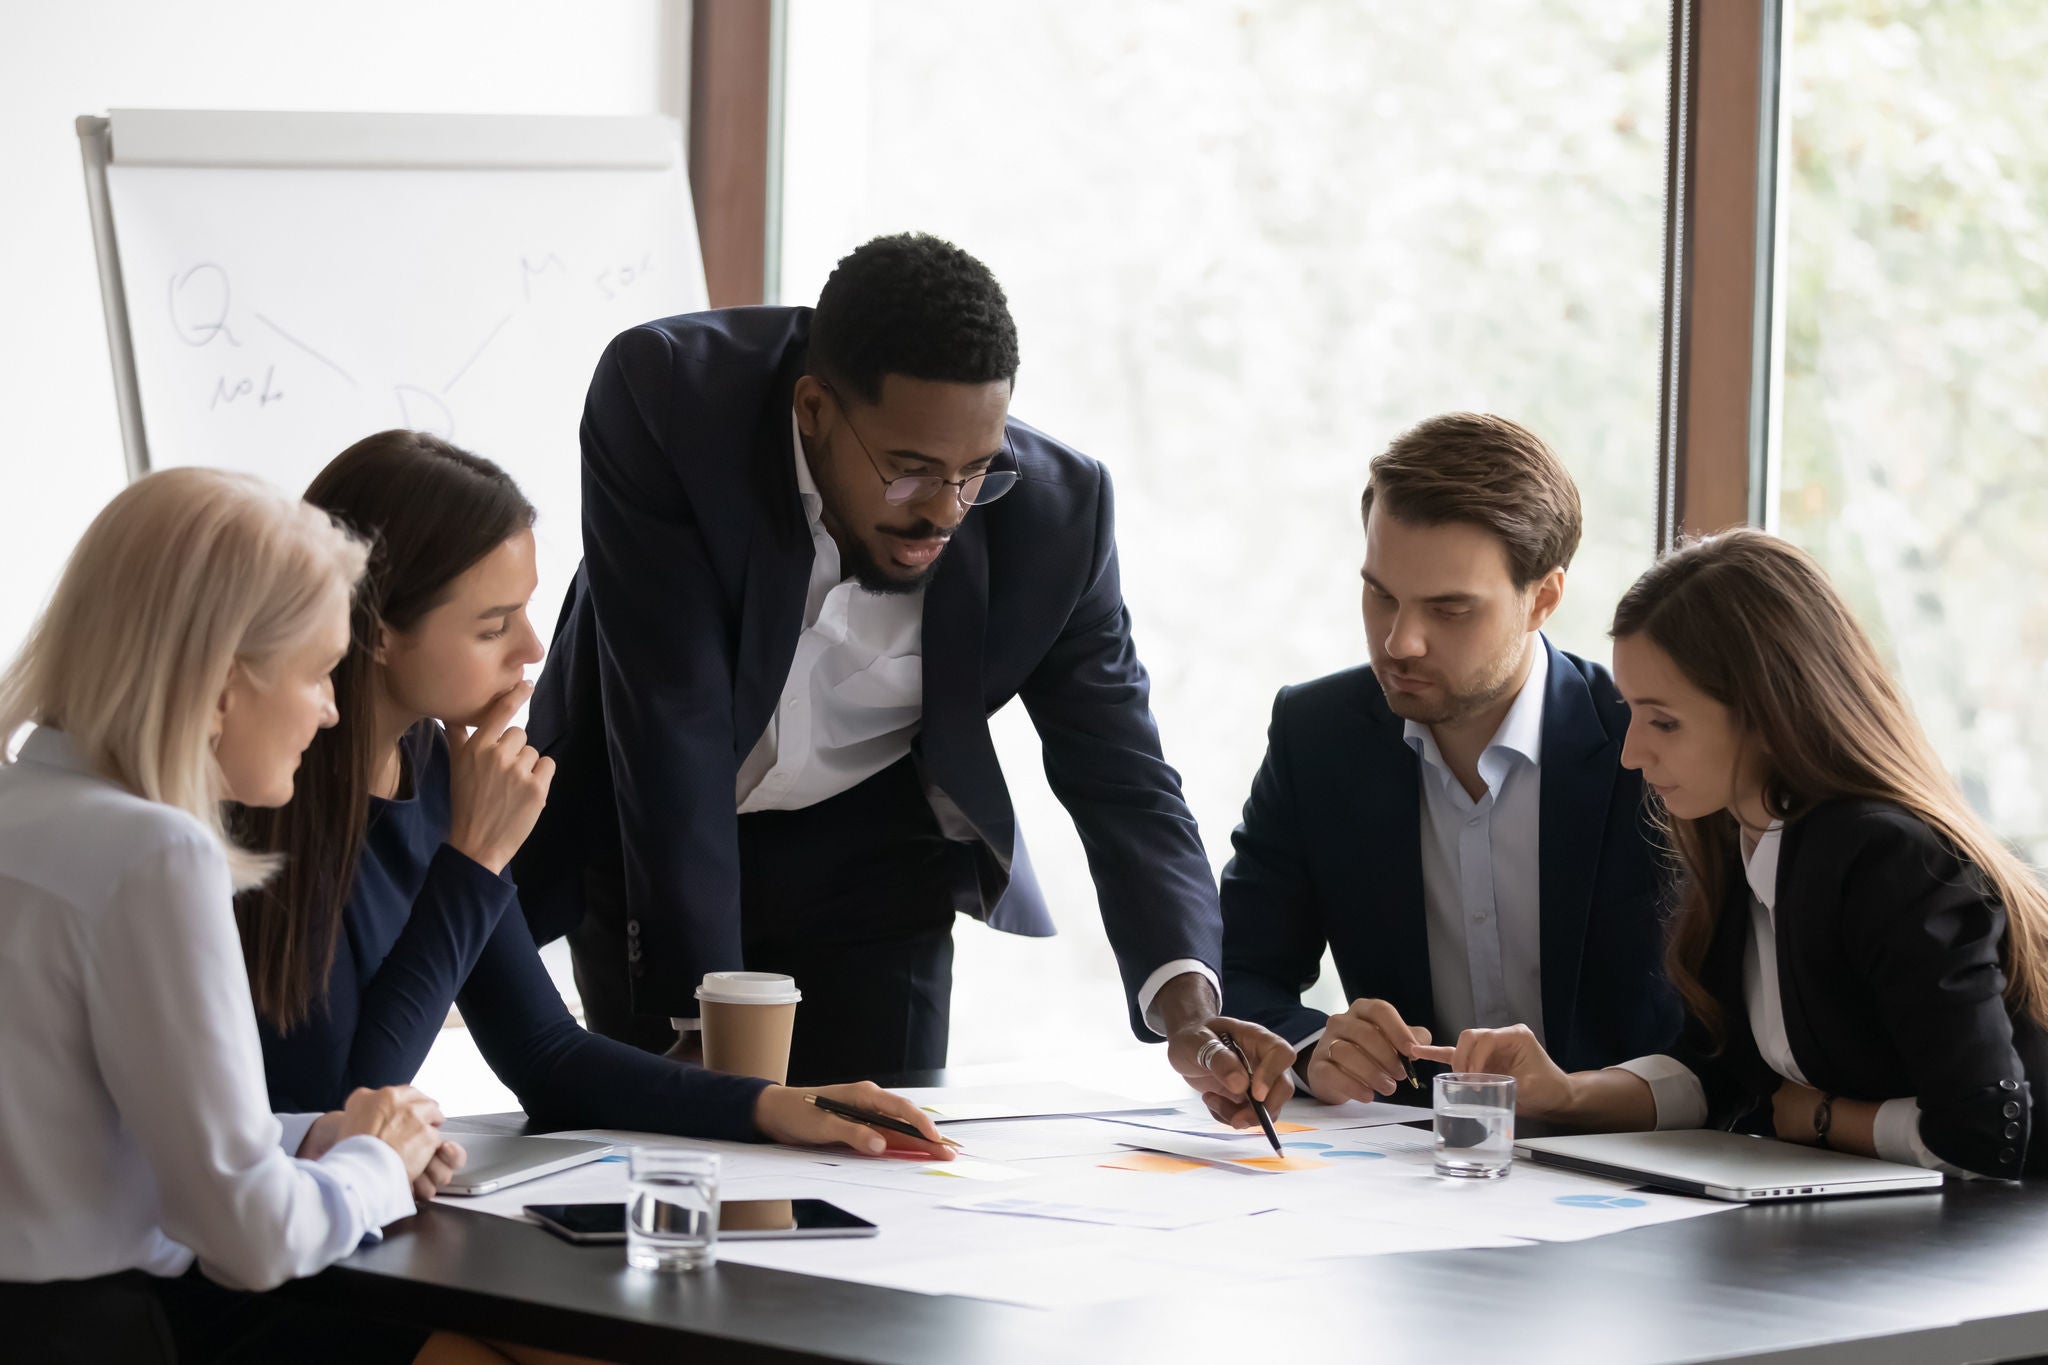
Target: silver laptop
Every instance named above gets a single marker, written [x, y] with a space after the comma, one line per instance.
[1733, 1166]
[495, 1162]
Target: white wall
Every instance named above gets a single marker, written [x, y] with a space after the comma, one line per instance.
[60, 447]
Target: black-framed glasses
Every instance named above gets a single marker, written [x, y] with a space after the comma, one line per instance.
[976, 490]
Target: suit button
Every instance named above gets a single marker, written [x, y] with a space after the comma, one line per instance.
[2008, 1085]
[2007, 1157]
[2011, 1110]
[2012, 1130]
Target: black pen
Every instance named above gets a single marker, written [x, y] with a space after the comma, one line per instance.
[882, 1121]
[1408, 1065]
[1257, 1109]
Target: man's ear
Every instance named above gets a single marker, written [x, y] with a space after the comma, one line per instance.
[809, 400]
[1543, 601]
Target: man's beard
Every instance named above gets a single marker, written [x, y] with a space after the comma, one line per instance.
[857, 562]
[1454, 706]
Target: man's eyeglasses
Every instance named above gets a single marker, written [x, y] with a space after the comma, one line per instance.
[976, 490]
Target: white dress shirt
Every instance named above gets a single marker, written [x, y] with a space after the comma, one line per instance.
[134, 1127]
[1481, 893]
[854, 698]
[1680, 1098]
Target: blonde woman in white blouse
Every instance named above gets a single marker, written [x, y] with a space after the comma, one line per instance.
[183, 660]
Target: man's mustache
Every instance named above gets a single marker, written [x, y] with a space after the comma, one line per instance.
[922, 530]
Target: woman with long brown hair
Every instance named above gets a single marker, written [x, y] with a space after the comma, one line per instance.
[1864, 965]
[395, 902]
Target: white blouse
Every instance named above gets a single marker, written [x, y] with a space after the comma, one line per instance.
[135, 1131]
[1681, 1100]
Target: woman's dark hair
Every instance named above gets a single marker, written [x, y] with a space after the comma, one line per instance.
[1753, 622]
[429, 511]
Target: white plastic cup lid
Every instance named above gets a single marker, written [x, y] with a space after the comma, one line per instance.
[749, 988]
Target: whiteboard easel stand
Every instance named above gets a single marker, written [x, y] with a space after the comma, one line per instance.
[96, 146]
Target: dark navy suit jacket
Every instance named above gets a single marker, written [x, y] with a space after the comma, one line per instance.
[678, 632]
[1330, 853]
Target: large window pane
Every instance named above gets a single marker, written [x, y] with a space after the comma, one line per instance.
[1246, 244]
[1916, 363]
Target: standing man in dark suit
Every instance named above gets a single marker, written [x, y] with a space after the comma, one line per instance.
[1453, 820]
[818, 554]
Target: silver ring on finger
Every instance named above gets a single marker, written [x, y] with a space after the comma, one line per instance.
[1208, 1052]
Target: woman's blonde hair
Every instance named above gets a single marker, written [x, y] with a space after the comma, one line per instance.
[186, 575]
[1753, 622]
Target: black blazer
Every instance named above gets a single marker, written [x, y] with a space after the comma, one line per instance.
[1330, 852]
[1889, 971]
[677, 635]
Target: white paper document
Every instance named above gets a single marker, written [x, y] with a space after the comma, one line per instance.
[958, 1104]
[1127, 1200]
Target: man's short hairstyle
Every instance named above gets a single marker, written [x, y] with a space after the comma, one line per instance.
[1487, 472]
[913, 305]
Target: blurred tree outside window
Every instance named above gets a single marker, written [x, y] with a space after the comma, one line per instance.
[1915, 382]
[1246, 244]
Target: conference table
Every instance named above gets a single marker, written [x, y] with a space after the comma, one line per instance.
[1919, 1279]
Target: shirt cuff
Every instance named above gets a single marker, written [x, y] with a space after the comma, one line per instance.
[374, 1180]
[1301, 1047]
[1680, 1098]
[1896, 1134]
[295, 1128]
[1178, 967]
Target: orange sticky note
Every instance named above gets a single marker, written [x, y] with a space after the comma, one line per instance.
[1281, 1163]
[1153, 1162]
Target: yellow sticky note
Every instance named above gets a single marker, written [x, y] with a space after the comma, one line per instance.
[1153, 1162]
[1281, 1163]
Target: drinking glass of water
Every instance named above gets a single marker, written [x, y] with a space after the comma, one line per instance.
[1475, 1125]
[672, 1209]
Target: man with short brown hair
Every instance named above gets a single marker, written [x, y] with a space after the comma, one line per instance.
[1452, 820]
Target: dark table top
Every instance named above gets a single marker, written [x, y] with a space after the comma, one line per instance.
[1951, 1277]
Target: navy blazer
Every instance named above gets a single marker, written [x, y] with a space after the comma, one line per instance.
[1330, 853]
[1890, 971]
[677, 636]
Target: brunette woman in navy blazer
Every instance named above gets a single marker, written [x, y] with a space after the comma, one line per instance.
[1864, 965]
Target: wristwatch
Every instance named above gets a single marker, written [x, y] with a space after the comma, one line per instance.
[1823, 1116]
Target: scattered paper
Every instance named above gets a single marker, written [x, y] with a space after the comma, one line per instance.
[1154, 1163]
[961, 1104]
[1352, 1114]
[968, 1168]
[1282, 1163]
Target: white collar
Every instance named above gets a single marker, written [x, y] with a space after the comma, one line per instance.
[1521, 729]
[806, 486]
[1761, 867]
[49, 747]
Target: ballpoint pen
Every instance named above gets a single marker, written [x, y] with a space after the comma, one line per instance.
[1257, 1108]
[882, 1121]
[1408, 1065]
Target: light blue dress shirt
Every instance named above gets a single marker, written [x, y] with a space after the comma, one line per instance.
[1480, 889]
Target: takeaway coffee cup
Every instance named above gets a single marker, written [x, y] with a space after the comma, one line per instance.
[748, 1018]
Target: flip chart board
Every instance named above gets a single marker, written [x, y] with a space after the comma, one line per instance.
[279, 285]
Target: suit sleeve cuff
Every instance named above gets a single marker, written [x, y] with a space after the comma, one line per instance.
[1178, 967]
[1680, 1098]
